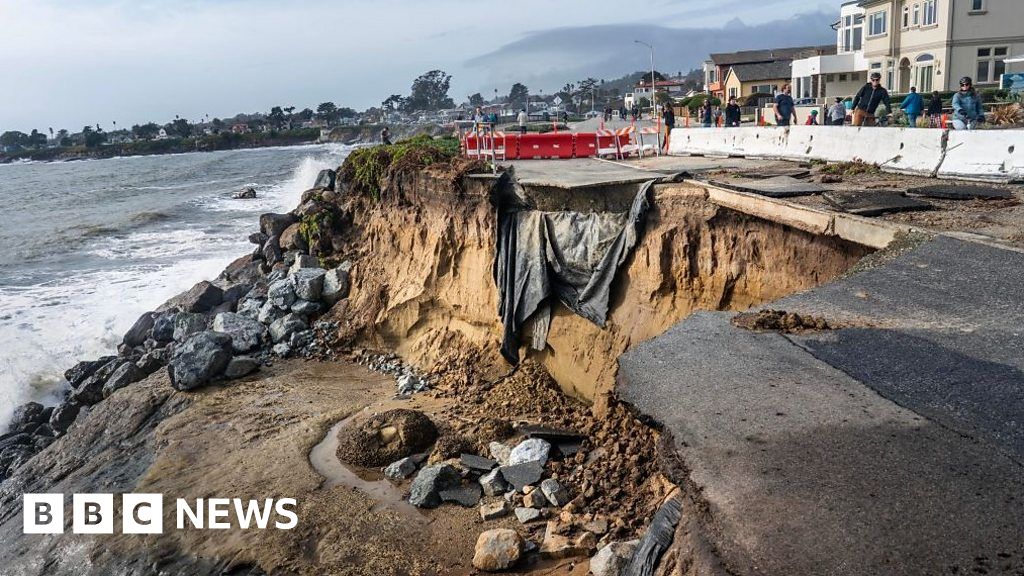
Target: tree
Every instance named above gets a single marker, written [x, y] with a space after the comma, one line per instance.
[393, 103]
[146, 131]
[326, 112]
[62, 138]
[93, 138]
[517, 95]
[476, 99]
[346, 112]
[304, 115]
[430, 92]
[13, 138]
[218, 125]
[276, 117]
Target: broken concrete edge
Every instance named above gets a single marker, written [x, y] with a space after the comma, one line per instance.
[857, 229]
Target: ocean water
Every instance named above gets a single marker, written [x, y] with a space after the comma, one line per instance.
[86, 247]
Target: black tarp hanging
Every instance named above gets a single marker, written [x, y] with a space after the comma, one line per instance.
[573, 256]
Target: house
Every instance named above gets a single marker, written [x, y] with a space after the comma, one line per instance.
[716, 70]
[240, 128]
[760, 78]
[161, 134]
[674, 87]
[825, 76]
[931, 44]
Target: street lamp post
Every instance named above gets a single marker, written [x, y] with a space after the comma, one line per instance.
[654, 104]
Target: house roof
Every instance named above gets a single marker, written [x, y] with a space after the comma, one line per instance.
[770, 55]
[762, 71]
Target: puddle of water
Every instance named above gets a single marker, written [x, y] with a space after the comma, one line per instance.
[325, 461]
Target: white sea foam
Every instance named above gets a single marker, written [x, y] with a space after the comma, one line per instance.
[82, 313]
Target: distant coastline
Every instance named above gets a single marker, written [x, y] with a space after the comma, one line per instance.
[213, 142]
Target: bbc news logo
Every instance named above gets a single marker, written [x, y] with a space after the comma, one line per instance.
[144, 514]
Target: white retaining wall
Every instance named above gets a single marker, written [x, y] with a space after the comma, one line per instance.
[993, 155]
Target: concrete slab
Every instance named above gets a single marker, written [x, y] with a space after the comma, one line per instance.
[961, 192]
[773, 187]
[873, 202]
[591, 172]
[891, 447]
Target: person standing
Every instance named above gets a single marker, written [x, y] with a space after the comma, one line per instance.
[706, 113]
[732, 113]
[967, 110]
[913, 105]
[521, 118]
[836, 113]
[935, 109]
[385, 136]
[867, 100]
[785, 108]
[669, 116]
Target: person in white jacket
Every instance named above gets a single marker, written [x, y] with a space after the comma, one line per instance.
[837, 113]
[522, 120]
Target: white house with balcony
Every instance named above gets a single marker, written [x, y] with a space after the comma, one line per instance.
[824, 77]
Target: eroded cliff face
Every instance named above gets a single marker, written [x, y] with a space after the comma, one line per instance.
[423, 281]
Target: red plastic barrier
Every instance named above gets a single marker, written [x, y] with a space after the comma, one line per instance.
[586, 144]
[549, 145]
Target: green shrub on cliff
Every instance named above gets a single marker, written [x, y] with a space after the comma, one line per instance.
[367, 169]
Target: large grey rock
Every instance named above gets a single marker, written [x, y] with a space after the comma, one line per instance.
[127, 373]
[325, 180]
[555, 492]
[90, 391]
[163, 326]
[337, 283]
[240, 366]
[522, 475]
[500, 452]
[497, 549]
[285, 326]
[301, 339]
[282, 349]
[200, 298]
[281, 293]
[268, 313]
[303, 261]
[250, 308]
[305, 307]
[530, 450]
[79, 372]
[493, 484]
[400, 469]
[271, 250]
[139, 331]
[199, 360]
[63, 416]
[308, 283]
[467, 495]
[613, 558]
[246, 333]
[274, 224]
[526, 515]
[27, 412]
[186, 324]
[426, 488]
[493, 510]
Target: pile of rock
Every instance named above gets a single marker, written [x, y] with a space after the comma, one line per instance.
[407, 379]
[309, 229]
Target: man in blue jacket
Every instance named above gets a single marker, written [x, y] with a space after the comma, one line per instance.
[913, 105]
[967, 111]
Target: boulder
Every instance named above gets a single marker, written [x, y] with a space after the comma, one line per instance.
[301, 339]
[409, 383]
[555, 493]
[305, 307]
[274, 224]
[381, 439]
[151, 361]
[325, 180]
[26, 413]
[199, 360]
[281, 293]
[282, 349]
[497, 549]
[400, 469]
[200, 298]
[467, 495]
[258, 238]
[90, 391]
[246, 333]
[63, 416]
[493, 510]
[285, 326]
[139, 331]
[426, 488]
[336, 283]
[240, 366]
[127, 373]
[557, 544]
[271, 250]
[268, 313]
[522, 475]
[79, 372]
[530, 450]
[499, 452]
[613, 558]
[309, 208]
[186, 324]
[526, 515]
[163, 326]
[477, 463]
[535, 499]
[303, 261]
[246, 193]
[250, 308]
[235, 293]
[292, 240]
[308, 283]
[493, 484]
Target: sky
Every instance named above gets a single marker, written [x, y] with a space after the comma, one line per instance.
[68, 63]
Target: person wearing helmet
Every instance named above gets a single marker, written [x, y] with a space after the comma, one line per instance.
[867, 100]
[967, 111]
[812, 119]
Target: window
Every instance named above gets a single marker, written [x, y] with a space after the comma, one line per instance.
[763, 89]
[991, 64]
[733, 93]
[917, 14]
[842, 77]
[876, 24]
[977, 5]
[906, 17]
[931, 13]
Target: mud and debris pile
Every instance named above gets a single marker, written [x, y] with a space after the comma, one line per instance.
[781, 321]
